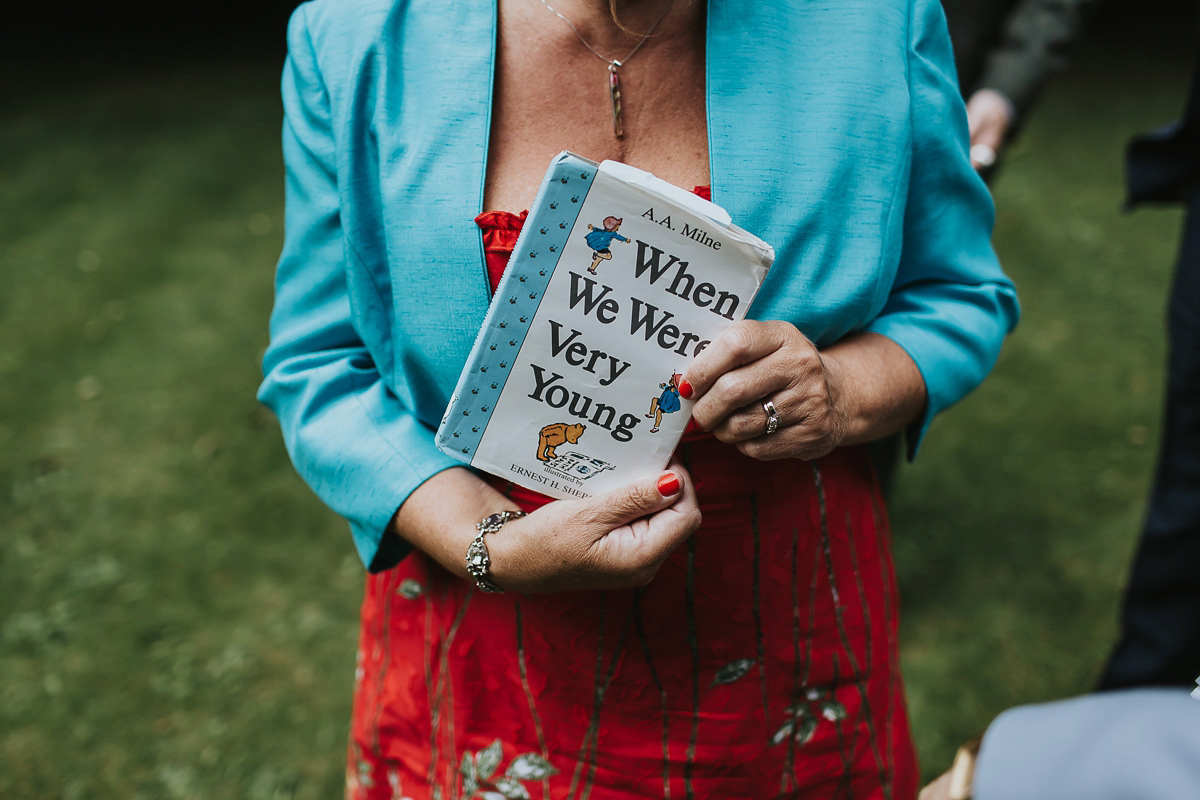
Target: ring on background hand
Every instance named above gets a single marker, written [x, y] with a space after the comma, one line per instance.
[983, 155]
[772, 416]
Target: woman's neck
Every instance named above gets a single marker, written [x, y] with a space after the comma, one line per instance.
[595, 21]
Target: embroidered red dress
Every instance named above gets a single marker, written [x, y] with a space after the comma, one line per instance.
[760, 662]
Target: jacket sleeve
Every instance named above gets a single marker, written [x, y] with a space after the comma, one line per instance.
[1033, 46]
[348, 435]
[950, 305]
[1141, 743]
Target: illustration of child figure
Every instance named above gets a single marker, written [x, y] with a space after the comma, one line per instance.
[665, 403]
[599, 240]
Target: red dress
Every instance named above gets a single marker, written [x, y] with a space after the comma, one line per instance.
[760, 662]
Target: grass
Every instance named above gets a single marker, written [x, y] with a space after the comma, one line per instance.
[178, 614]
[1015, 527]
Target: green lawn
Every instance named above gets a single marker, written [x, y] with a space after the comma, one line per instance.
[177, 616]
[1015, 527]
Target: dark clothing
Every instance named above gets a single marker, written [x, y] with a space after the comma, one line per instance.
[1012, 46]
[1164, 166]
[1160, 638]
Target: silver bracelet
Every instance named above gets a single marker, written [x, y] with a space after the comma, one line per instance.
[479, 560]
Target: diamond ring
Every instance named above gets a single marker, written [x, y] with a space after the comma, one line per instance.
[772, 416]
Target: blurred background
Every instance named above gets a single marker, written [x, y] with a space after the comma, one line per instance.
[177, 611]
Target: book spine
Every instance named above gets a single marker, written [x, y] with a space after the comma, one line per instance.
[533, 261]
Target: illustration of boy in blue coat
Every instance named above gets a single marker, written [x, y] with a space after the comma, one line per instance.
[599, 240]
[665, 403]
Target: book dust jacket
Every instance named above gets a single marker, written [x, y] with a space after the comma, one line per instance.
[617, 281]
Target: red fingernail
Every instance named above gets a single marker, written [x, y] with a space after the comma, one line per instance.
[668, 484]
[685, 389]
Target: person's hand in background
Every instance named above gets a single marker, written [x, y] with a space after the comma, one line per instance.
[939, 789]
[989, 119]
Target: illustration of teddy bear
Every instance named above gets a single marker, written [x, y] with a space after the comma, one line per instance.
[555, 434]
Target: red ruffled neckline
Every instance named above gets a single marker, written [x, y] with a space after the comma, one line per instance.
[508, 221]
[502, 228]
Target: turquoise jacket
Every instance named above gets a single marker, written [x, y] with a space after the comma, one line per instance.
[836, 133]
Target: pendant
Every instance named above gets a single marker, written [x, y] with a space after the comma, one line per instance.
[614, 91]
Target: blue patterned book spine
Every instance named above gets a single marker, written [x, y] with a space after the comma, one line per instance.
[521, 290]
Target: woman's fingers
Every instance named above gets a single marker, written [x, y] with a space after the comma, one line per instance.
[638, 499]
[737, 397]
[739, 388]
[636, 550]
[811, 438]
[751, 421]
[749, 363]
[670, 526]
[754, 362]
[614, 540]
[740, 343]
[799, 396]
[810, 422]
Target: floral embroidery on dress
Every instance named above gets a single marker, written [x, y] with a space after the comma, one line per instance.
[804, 717]
[733, 671]
[359, 777]
[410, 589]
[477, 773]
[393, 779]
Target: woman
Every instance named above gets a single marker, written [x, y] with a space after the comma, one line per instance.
[725, 629]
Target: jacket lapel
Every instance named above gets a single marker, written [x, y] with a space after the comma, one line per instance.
[434, 130]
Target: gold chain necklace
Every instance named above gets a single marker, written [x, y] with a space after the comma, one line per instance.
[614, 79]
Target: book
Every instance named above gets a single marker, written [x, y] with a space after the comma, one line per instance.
[617, 281]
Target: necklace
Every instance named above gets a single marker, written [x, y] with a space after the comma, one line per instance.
[614, 78]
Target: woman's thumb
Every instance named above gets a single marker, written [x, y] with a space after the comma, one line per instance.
[639, 499]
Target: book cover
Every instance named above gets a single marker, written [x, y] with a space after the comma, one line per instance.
[617, 281]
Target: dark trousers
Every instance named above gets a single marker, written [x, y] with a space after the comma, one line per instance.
[1160, 637]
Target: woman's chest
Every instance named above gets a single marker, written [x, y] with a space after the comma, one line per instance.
[551, 94]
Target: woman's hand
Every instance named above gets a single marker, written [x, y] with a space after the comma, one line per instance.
[615, 540]
[989, 117]
[612, 541]
[752, 362]
[862, 388]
